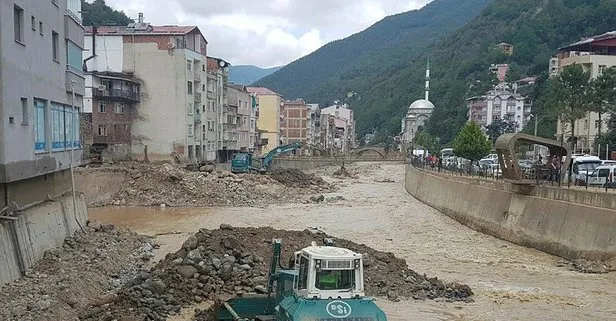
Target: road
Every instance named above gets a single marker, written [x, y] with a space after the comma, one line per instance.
[510, 282]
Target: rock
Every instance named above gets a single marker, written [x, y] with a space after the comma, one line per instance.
[186, 271]
[104, 299]
[69, 298]
[392, 295]
[247, 260]
[420, 295]
[41, 305]
[229, 242]
[226, 227]
[216, 262]
[198, 299]
[194, 255]
[178, 261]
[317, 199]
[260, 289]
[107, 227]
[191, 243]
[96, 225]
[245, 267]
[156, 286]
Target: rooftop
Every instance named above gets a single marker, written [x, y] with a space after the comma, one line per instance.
[141, 28]
[607, 39]
[262, 91]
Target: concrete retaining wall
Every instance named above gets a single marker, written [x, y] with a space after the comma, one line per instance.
[23, 241]
[567, 229]
[99, 186]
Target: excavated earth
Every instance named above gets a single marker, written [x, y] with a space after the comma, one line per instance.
[220, 264]
[169, 185]
[83, 274]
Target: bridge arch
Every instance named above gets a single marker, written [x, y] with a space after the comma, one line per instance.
[361, 151]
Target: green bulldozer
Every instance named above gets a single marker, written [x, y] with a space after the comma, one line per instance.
[322, 283]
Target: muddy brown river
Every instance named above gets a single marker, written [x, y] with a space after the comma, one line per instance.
[510, 282]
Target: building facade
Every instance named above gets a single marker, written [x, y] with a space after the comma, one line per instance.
[268, 124]
[594, 54]
[341, 112]
[242, 100]
[41, 94]
[171, 94]
[499, 104]
[110, 104]
[294, 125]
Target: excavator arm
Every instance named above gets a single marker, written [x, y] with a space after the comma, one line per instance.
[267, 160]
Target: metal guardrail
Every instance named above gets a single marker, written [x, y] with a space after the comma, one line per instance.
[116, 93]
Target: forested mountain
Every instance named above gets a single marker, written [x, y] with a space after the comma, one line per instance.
[247, 74]
[99, 13]
[352, 63]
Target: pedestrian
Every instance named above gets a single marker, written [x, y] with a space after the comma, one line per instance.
[440, 164]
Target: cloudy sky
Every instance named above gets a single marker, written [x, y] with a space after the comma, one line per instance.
[267, 33]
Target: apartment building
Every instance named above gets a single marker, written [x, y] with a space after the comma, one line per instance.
[294, 122]
[342, 112]
[241, 98]
[499, 104]
[254, 143]
[169, 63]
[269, 120]
[314, 126]
[594, 54]
[41, 94]
[218, 109]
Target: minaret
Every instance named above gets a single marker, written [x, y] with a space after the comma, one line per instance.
[428, 80]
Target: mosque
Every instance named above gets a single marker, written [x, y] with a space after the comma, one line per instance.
[417, 114]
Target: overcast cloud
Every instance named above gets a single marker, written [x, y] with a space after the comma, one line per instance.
[267, 33]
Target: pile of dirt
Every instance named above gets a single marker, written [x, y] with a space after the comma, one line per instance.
[343, 172]
[291, 177]
[84, 273]
[155, 185]
[220, 264]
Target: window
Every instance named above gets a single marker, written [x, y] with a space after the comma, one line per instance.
[41, 27]
[102, 130]
[602, 69]
[39, 127]
[303, 273]
[119, 108]
[604, 172]
[190, 130]
[244, 120]
[597, 122]
[203, 87]
[102, 107]
[190, 87]
[33, 23]
[58, 127]
[24, 111]
[55, 49]
[203, 69]
[189, 109]
[69, 129]
[18, 20]
[74, 57]
[189, 65]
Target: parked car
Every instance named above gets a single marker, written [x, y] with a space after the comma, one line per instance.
[601, 175]
[525, 164]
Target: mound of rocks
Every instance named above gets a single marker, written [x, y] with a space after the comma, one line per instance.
[221, 264]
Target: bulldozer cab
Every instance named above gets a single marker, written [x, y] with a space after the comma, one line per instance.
[325, 272]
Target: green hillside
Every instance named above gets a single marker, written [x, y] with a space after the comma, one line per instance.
[535, 27]
[247, 74]
[99, 13]
[351, 64]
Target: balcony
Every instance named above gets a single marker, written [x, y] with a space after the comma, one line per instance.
[75, 77]
[197, 117]
[116, 94]
[197, 75]
[197, 97]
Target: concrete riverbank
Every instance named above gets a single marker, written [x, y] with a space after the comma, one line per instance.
[555, 225]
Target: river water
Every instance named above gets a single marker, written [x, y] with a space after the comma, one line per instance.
[510, 282]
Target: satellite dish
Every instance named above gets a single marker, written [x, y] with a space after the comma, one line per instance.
[222, 64]
[101, 87]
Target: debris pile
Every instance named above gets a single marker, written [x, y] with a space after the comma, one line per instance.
[343, 172]
[84, 273]
[221, 264]
[168, 185]
[291, 177]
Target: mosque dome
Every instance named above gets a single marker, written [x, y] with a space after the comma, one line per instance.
[421, 104]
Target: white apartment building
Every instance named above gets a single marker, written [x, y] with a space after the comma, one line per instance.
[595, 54]
[499, 104]
[170, 62]
[343, 112]
[217, 112]
[241, 99]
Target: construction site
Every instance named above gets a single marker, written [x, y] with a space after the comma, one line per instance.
[164, 242]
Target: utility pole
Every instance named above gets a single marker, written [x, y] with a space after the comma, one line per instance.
[72, 142]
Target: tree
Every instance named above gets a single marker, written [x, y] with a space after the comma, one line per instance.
[568, 96]
[471, 143]
[608, 138]
[427, 141]
[603, 94]
[100, 14]
[499, 127]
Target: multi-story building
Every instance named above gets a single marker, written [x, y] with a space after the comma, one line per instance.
[110, 104]
[167, 121]
[500, 70]
[499, 104]
[594, 54]
[342, 112]
[294, 122]
[254, 135]
[217, 109]
[314, 126]
[41, 94]
[506, 48]
[268, 124]
[241, 98]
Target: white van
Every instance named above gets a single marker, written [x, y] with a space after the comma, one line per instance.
[582, 165]
[601, 175]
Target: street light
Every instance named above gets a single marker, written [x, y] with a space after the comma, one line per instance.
[537, 120]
